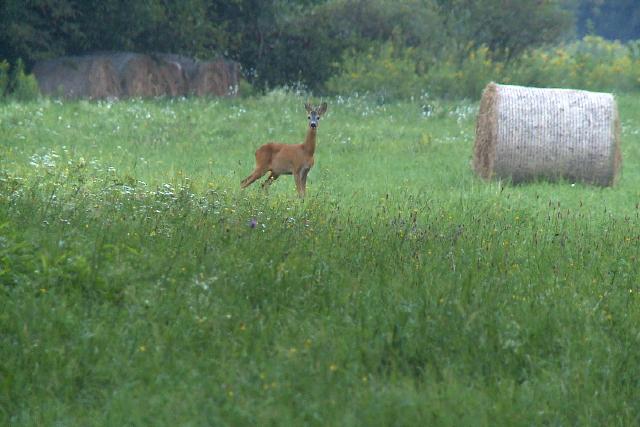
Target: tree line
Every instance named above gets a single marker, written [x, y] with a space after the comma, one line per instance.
[283, 41]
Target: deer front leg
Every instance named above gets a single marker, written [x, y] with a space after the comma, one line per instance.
[297, 175]
[303, 179]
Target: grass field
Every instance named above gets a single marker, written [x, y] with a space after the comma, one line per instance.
[134, 289]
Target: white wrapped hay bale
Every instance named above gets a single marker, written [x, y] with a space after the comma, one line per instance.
[524, 134]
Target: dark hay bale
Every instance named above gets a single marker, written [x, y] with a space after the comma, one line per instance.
[219, 78]
[78, 77]
[524, 134]
[174, 78]
[140, 77]
[118, 75]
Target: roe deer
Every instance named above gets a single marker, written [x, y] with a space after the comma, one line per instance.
[286, 159]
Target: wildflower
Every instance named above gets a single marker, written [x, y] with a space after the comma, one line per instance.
[333, 367]
[253, 222]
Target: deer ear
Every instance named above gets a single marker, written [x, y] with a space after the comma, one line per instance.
[323, 108]
[307, 107]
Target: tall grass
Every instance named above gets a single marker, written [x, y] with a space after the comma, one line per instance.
[140, 286]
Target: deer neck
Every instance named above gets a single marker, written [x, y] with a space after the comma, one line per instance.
[310, 141]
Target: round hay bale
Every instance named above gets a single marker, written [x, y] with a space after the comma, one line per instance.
[141, 77]
[179, 70]
[102, 80]
[77, 77]
[219, 78]
[525, 134]
[187, 65]
[173, 76]
[126, 74]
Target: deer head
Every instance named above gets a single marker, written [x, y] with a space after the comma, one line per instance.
[315, 113]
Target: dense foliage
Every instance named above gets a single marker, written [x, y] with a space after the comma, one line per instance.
[618, 19]
[391, 49]
[591, 63]
[16, 84]
[282, 41]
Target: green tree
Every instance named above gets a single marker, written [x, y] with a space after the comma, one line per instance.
[507, 27]
[37, 29]
[615, 20]
[184, 27]
[281, 41]
[46, 28]
[300, 42]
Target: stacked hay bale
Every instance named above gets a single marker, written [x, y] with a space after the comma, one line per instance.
[117, 75]
[525, 134]
[215, 77]
[78, 77]
[140, 75]
[175, 77]
[218, 77]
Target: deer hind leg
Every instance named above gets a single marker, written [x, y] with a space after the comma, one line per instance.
[256, 174]
[272, 177]
[263, 158]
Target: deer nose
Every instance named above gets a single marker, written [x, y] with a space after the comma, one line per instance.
[313, 124]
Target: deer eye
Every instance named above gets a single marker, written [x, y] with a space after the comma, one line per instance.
[309, 117]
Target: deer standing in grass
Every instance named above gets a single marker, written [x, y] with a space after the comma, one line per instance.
[288, 159]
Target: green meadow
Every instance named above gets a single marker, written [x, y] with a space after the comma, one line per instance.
[140, 286]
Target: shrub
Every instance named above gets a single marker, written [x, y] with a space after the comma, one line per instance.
[4, 77]
[384, 72]
[591, 63]
[16, 84]
[22, 86]
[246, 89]
[463, 78]
[391, 73]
